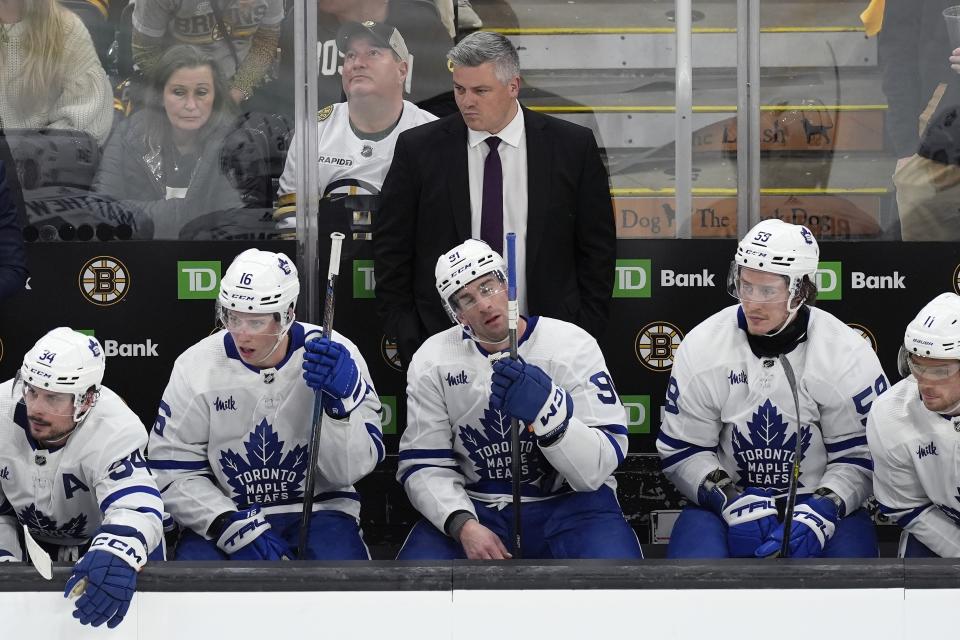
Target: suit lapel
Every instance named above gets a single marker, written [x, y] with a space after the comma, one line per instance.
[458, 184]
[539, 167]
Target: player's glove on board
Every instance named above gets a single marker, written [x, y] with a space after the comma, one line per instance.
[524, 391]
[750, 518]
[814, 522]
[248, 536]
[328, 367]
[110, 569]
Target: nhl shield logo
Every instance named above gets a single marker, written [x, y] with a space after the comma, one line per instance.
[104, 281]
[656, 345]
[390, 353]
[865, 333]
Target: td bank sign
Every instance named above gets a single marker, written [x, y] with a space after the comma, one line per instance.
[830, 281]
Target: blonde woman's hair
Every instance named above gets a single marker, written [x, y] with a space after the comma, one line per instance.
[43, 68]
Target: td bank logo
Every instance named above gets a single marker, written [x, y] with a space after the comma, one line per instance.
[197, 280]
[638, 413]
[363, 281]
[632, 279]
[829, 281]
[388, 415]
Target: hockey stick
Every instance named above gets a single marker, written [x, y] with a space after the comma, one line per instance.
[513, 316]
[795, 471]
[39, 558]
[329, 303]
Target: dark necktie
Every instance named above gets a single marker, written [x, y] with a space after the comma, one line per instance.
[491, 207]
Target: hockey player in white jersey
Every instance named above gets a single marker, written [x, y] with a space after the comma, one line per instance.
[72, 471]
[230, 445]
[455, 453]
[357, 137]
[914, 433]
[729, 432]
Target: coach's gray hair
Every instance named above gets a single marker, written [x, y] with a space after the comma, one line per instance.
[485, 46]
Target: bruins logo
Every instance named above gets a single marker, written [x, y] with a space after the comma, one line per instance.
[865, 333]
[656, 345]
[325, 113]
[1, 350]
[390, 353]
[956, 280]
[104, 281]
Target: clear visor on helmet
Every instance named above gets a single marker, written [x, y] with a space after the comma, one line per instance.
[486, 286]
[934, 370]
[37, 400]
[239, 322]
[750, 285]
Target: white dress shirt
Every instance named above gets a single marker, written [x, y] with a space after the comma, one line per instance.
[513, 158]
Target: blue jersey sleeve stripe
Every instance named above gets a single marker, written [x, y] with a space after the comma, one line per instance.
[377, 442]
[616, 429]
[859, 441]
[116, 495]
[420, 454]
[860, 462]
[4, 553]
[676, 458]
[149, 510]
[616, 446]
[178, 465]
[417, 467]
[333, 495]
[673, 443]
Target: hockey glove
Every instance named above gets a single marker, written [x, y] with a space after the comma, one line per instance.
[110, 569]
[814, 522]
[328, 367]
[248, 536]
[523, 391]
[750, 518]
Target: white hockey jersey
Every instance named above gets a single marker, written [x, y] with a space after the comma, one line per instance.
[63, 494]
[916, 457]
[348, 164]
[229, 435]
[455, 447]
[726, 407]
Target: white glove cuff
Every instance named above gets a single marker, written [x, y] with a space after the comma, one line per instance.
[821, 527]
[748, 508]
[239, 533]
[127, 548]
[554, 414]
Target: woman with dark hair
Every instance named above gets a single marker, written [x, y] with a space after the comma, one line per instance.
[164, 163]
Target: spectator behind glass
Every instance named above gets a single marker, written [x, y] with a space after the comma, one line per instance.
[13, 259]
[164, 164]
[240, 35]
[428, 78]
[50, 75]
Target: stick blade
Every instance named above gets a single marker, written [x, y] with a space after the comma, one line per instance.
[38, 557]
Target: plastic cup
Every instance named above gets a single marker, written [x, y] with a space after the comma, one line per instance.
[951, 16]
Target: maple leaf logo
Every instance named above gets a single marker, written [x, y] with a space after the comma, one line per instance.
[489, 449]
[40, 524]
[265, 475]
[764, 454]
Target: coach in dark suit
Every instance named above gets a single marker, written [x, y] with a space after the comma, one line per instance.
[494, 168]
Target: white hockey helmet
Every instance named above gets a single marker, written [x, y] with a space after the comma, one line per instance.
[934, 333]
[260, 282]
[775, 246]
[462, 265]
[66, 361]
